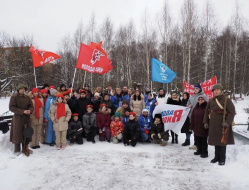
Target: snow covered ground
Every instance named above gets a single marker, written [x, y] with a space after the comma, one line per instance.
[109, 166]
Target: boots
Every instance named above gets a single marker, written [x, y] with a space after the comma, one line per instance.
[176, 138]
[173, 137]
[186, 143]
[17, 150]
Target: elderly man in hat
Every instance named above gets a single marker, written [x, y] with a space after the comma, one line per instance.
[22, 106]
[218, 118]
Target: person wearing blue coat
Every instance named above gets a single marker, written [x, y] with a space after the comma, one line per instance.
[117, 99]
[128, 96]
[150, 104]
[50, 139]
[145, 125]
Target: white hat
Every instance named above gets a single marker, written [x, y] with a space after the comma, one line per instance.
[145, 110]
[96, 94]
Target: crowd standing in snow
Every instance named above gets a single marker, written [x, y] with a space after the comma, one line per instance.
[60, 115]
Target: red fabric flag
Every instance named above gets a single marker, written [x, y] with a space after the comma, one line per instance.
[98, 46]
[91, 59]
[41, 57]
[206, 86]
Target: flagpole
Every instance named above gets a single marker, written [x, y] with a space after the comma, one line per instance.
[35, 78]
[84, 80]
[151, 86]
[73, 81]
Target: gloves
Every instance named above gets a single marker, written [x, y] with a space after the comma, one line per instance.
[100, 131]
[225, 124]
[206, 126]
[146, 131]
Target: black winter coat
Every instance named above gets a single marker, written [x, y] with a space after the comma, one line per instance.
[131, 130]
[174, 102]
[73, 127]
[81, 104]
[157, 128]
[185, 127]
[96, 104]
[109, 105]
[72, 104]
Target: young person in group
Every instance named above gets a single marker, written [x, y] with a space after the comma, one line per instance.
[44, 94]
[197, 125]
[90, 124]
[126, 116]
[103, 119]
[75, 129]
[131, 131]
[174, 100]
[193, 100]
[219, 126]
[137, 103]
[36, 118]
[60, 115]
[145, 125]
[185, 127]
[50, 139]
[117, 128]
[158, 135]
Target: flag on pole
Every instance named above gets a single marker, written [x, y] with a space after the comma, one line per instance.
[41, 57]
[93, 60]
[160, 72]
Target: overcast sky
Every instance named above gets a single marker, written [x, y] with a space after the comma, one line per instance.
[50, 20]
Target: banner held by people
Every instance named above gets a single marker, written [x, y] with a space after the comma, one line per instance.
[93, 60]
[206, 86]
[173, 116]
[160, 72]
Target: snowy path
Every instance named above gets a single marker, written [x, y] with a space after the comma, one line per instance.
[109, 166]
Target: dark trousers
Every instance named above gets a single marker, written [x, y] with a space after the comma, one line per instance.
[92, 133]
[173, 135]
[220, 153]
[201, 143]
[76, 138]
[128, 137]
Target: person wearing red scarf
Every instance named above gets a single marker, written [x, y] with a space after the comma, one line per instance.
[36, 118]
[60, 114]
[44, 94]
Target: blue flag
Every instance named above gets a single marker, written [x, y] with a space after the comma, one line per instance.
[160, 72]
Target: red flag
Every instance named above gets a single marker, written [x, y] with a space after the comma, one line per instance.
[206, 86]
[98, 46]
[41, 57]
[91, 59]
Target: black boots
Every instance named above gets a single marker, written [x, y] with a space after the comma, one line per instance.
[186, 143]
[220, 155]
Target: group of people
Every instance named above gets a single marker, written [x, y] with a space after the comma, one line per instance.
[58, 115]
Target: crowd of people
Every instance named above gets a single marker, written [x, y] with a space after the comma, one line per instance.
[58, 115]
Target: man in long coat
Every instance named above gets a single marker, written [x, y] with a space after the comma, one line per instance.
[213, 119]
[22, 106]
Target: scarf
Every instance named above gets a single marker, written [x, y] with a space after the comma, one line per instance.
[38, 104]
[61, 110]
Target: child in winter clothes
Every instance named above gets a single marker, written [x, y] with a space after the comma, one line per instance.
[50, 139]
[103, 123]
[75, 129]
[44, 94]
[131, 131]
[60, 114]
[145, 125]
[36, 118]
[90, 124]
[117, 128]
[158, 134]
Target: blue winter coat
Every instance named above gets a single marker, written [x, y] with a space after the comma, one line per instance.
[49, 104]
[125, 120]
[127, 97]
[115, 102]
[150, 105]
[144, 123]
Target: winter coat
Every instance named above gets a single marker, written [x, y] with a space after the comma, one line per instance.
[81, 104]
[185, 127]
[60, 124]
[144, 123]
[89, 120]
[33, 119]
[127, 97]
[96, 104]
[121, 110]
[48, 106]
[117, 127]
[73, 127]
[103, 120]
[216, 120]
[197, 124]
[72, 104]
[161, 99]
[109, 106]
[132, 130]
[138, 105]
[150, 105]
[157, 128]
[125, 120]
[18, 103]
[174, 102]
[193, 100]
[117, 101]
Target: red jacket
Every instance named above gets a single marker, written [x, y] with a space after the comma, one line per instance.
[103, 120]
[117, 127]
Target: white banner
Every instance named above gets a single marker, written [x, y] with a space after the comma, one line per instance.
[173, 116]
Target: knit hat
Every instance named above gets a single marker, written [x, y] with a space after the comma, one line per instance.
[35, 90]
[125, 102]
[117, 114]
[145, 110]
[20, 86]
[132, 113]
[44, 91]
[198, 86]
[201, 96]
[217, 86]
[158, 116]
[53, 91]
[60, 96]
[96, 94]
